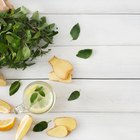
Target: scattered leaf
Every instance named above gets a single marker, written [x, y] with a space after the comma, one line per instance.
[75, 31]
[40, 126]
[14, 88]
[74, 95]
[86, 53]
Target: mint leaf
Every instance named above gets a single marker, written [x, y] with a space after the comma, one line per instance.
[40, 126]
[33, 97]
[86, 53]
[42, 93]
[75, 31]
[26, 52]
[35, 16]
[74, 95]
[14, 88]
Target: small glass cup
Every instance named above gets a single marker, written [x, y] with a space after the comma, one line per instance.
[41, 102]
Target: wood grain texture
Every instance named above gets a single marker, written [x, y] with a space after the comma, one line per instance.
[81, 6]
[96, 96]
[97, 126]
[106, 62]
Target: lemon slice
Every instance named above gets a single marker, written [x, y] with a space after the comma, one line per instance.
[7, 124]
[24, 127]
[5, 107]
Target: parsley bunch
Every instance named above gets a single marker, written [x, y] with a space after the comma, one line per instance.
[22, 39]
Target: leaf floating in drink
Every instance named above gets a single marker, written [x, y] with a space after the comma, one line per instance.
[33, 97]
[86, 53]
[42, 93]
[75, 31]
[40, 126]
[14, 88]
[74, 95]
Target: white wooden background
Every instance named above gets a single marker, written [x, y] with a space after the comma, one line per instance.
[109, 106]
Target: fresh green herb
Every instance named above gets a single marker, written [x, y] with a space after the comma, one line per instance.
[86, 53]
[14, 88]
[40, 126]
[33, 97]
[42, 93]
[39, 88]
[75, 31]
[23, 38]
[74, 95]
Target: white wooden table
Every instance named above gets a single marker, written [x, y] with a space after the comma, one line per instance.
[109, 106]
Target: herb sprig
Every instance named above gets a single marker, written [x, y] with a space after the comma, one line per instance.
[22, 39]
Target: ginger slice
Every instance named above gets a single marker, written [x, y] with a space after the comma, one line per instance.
[68, 122]
[58, 131]
[3, 6]
[62, 68]
[2, 80]
[53, 77]
[9, 5]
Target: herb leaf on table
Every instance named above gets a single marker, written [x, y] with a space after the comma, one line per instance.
[75, 31]
[40, 126]
[86, 53]
[74, 95]
[14, 88]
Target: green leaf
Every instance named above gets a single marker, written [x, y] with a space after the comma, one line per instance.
[39, 88]
[14, 88]
[24, 10]
[28, 35]
[26, 52]
[40, 126]
[75, 31]
[35, 16]
[21, 36]
[86, 53]
[74, 95]
[41, 92]
[9, 38]
[37, 35]
[3, 47]
[33, 97]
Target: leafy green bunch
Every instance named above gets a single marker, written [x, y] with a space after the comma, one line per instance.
[23, 38]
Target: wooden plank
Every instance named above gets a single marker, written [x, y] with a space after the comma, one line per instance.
[84, 6]
[106, 62]
[90, 126]
[98, 30]
[96, 95]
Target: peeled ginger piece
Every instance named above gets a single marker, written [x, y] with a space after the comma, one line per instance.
[52, 76]
[62, 68]
[58, 131]
[2, 80]
[3, 6]
[9, 5]
[68, 122]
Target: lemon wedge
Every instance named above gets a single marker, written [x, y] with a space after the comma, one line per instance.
[24, 127]
[5, 107]
[7, 124]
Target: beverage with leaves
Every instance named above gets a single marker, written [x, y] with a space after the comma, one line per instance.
[38, 98]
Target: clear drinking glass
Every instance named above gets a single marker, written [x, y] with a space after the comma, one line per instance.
[38, 97]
